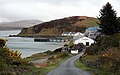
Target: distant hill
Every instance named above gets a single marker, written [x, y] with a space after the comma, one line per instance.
[56, 27]
[18, 24]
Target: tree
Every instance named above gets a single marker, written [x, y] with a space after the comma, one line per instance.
[119, 23]
[108, 20]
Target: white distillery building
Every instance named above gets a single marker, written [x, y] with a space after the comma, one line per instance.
[92, 32]
[85, 40]
[68, 33]
[78, 35]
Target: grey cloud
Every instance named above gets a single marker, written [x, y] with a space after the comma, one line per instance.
[56, 2]
[12, 10]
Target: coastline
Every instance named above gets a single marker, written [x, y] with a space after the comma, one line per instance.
[37, 36]
[27, 45]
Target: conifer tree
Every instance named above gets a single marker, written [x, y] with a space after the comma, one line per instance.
[108, 20]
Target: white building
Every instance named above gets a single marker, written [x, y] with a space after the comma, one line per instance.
[72, 33]
[85, 40]
[92, 32]
[65, 33]
[68, 33]
[78, 35]
[74, 51]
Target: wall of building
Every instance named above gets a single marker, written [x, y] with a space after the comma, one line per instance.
[84, 40]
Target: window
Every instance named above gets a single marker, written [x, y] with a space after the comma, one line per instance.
[91, 34]
[87, 43]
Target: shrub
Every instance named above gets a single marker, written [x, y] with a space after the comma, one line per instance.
[71, 44]
[2, 42]
[7, 56]
[103, 43]
[92, 50]
[62, 55]
[7, 73]
[110, 59]
[49, 52]
[58, 56]
[107, 41]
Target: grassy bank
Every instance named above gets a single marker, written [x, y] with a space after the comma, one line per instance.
[11, 62]
[81, 65]
[94, 71]
[54, 59]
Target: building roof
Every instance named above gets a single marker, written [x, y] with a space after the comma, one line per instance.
[78, 33]
[93, 28]
[83, 40]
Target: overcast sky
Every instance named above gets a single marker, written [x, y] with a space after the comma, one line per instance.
[46, 10]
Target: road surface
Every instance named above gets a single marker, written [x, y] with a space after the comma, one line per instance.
[68, 68]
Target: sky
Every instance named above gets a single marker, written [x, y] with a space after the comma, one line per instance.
[46, 10]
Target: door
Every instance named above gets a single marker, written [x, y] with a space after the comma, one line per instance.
[87, 43]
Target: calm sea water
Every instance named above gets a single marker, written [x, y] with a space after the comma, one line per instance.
[27, 46]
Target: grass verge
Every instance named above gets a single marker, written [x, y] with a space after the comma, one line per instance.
[54, 64]
[53, 61]
[81, 65]
[94, 71]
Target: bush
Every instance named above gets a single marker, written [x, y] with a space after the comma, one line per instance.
[92, 50]
[103, 43]
[58, 56]
[2, 42]
[90, 60]
[71, 44]
[7, 73]
[8, 59]
[62, 55]
[49, 52]
[108, 41]
[110, 59]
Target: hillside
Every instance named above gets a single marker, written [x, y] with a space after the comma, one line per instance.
[56, 27]
[18, 24]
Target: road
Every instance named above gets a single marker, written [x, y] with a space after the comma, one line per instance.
[68, 68]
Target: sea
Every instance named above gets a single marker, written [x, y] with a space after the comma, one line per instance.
[26, 45]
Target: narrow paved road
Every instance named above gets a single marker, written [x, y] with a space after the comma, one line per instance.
[68, 68]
